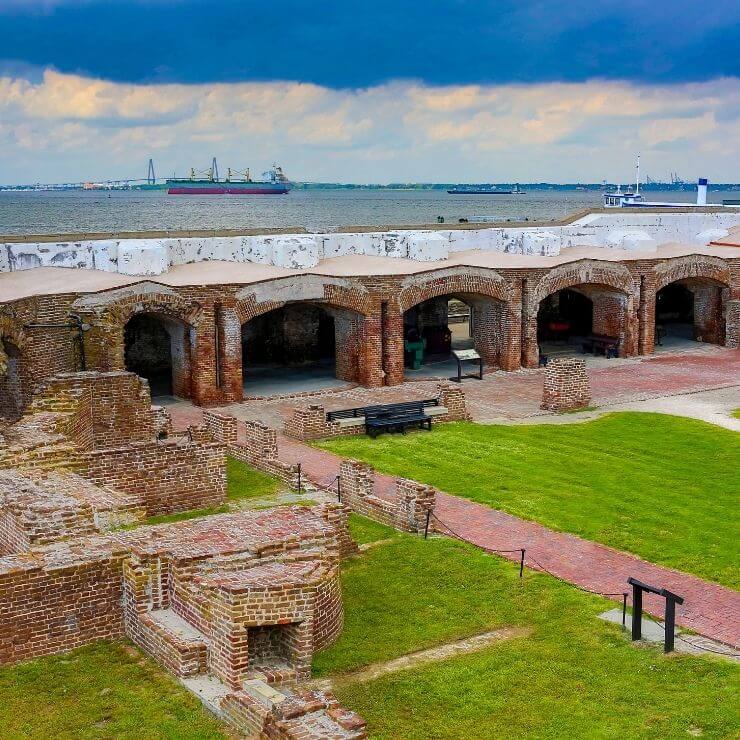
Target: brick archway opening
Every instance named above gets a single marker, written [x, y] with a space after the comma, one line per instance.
[690, 310]
[299, 347]
[12, 381]
[435, 327]
[568, 317]
[158, 347]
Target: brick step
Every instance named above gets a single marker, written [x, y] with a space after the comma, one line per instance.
[176, 642]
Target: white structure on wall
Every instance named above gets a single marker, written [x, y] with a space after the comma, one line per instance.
[643, 232]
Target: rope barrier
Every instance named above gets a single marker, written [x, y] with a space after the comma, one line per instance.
[694, 645]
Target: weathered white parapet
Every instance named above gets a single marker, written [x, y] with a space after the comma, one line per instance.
[294, 251]
[626, 231]
[143, 257]
[634, 240]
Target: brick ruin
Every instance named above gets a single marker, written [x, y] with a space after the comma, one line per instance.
[566, 385]
[204, 342]
[234, 605]
[310, 422]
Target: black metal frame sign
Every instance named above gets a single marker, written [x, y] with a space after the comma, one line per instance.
[467, 355]
[671, 600]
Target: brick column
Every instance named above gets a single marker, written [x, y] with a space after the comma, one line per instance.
[530, 351]
[708, 319]
[393, 348]
[566, 385]
[511, 330]
[230, 354]
[370, 370]
[733, 324]
[646, 316]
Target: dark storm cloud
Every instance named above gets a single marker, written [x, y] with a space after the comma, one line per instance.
[346, 43]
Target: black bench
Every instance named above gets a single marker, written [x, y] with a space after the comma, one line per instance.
[396, 417]
[608, 345]
[360, 410]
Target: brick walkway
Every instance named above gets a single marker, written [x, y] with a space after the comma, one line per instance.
[519, 394]
[709, 609]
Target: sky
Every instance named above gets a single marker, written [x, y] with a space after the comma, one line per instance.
[354, 91]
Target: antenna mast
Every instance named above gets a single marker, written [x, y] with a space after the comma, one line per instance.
[637, 176]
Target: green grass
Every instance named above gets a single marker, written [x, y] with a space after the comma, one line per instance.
[104, 690]
[736, 414]
[575, 676]
[365, 530]
[662, 487]
[244, 481]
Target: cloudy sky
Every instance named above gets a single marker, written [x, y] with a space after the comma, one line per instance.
[382, 91]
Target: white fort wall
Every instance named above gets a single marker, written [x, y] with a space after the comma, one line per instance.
[631, 231]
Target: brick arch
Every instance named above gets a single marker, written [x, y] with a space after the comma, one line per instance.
[9, 329]
[108, 313]
[707, 268]
[461, 281]
[14, 387]
[585, 272]
[338, 293]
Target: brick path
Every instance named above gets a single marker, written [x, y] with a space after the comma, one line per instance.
[709, 609]
[519, 394]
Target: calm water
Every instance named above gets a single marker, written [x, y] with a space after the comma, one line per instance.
[82, 211]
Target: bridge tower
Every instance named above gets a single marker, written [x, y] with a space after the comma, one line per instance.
[150, 178]
[214, 169]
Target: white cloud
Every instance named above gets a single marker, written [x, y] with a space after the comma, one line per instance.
[64, 127]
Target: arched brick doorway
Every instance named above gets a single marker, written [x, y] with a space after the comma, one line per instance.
[12, 380]
[299, 347]
[158, 347]
[690, 310]
[568, 318]
[435, 327]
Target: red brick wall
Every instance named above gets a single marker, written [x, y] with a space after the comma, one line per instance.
[42, 612]
[566, 385]
[170, 475]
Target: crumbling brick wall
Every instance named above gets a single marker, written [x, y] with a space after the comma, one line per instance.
[171, 475]
[406, 509]
[566, 385]
[111, 408]
[47, 610]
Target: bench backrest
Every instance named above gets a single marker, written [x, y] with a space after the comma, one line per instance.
[394, 410]
[603, 338]
[361, 410]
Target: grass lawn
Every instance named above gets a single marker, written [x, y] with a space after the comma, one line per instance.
[105, 690]
[244, 481]
[662, 487]
[736, 414]
[574, 676]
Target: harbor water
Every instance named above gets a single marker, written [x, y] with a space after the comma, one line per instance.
[316, 210]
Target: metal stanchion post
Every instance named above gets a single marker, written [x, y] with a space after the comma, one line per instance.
[426, 525]
[521, 564]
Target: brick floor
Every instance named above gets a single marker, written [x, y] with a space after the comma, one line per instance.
[516, 395]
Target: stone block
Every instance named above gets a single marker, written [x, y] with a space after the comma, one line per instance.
[142, 257]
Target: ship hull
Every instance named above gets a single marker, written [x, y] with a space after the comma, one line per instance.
[226, 188]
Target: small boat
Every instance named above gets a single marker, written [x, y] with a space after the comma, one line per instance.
[518, 191]
[478, 190]
[619, 199]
